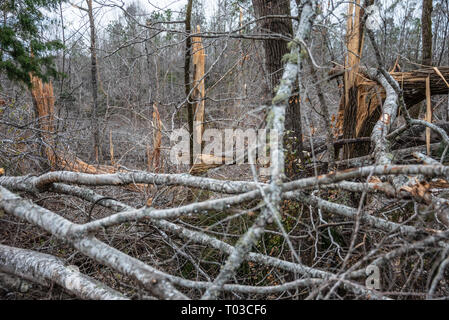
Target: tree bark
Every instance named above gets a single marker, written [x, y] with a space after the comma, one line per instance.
[187, 83]
[46, 269]
[150, 278]
[274, 49]
[94, 73]
[274, 52]
[426, 21]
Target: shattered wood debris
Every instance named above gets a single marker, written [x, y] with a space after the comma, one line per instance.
[43, 100]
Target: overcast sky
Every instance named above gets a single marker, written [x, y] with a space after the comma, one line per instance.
[74, 18]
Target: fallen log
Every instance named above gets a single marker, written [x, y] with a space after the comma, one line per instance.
[413, 83]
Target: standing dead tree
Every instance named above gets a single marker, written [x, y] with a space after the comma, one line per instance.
[199, 92]
[94, 81]
[58, 158]
[43, 101]
[154, 158]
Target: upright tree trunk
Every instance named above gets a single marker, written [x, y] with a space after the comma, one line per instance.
[274, 51]
[198, 95]
[355, 118]
[187, 82]
[426, 32]
[61, 15]
[426, 21]
[94, 72]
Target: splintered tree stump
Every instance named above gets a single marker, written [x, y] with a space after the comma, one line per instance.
[349, 106]
[362, 99]
[43, 100]
[358, 116]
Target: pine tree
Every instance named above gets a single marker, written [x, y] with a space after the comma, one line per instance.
[22, 47]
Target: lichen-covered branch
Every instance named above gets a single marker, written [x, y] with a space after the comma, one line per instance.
[275, 122]
[381, 144]
[45, 269]
[152, 279]
[45, 181]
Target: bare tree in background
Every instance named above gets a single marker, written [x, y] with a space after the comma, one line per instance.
[94, 81]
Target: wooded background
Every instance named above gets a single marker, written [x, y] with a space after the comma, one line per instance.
[92, 206]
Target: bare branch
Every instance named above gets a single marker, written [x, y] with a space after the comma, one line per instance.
[45, 269]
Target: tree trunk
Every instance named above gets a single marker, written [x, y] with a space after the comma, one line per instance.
[187, 82]
[274, 51]
[352, 105]
[426, 21]
[94, 72]
[45, 270]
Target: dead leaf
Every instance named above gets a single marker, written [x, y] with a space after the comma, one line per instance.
[374, 179]
[419, 191]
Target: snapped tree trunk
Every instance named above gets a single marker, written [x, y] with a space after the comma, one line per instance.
[198, 95]
[353, 105]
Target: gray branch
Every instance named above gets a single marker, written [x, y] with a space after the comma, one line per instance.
[45, 269]
[152, 279]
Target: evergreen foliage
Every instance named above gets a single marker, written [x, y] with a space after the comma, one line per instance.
[22, 47]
